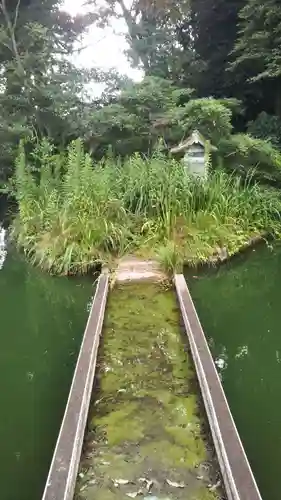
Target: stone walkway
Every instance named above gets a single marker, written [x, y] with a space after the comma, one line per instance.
[134, 269]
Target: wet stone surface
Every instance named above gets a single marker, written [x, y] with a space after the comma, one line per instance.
[145, 437]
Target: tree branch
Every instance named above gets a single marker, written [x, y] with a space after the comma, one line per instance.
[11, 30]
[16, 15]
[133, 30]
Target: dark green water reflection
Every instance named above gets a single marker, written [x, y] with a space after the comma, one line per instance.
[42, 320]
[240, 308]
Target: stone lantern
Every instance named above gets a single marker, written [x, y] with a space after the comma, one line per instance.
[196, 151]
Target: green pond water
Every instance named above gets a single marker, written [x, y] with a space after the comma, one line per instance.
[239, 306]
[42, 320]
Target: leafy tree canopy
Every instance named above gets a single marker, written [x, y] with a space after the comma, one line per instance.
[40, 89]
[158, 34]
[258, 47]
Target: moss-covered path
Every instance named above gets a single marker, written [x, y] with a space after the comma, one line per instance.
[145, 437]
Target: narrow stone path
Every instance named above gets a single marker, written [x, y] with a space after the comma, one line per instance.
[132, 268]
[145, 437]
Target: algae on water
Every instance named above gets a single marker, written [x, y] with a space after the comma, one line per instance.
[145, 430]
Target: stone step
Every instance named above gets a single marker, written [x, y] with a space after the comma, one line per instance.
[134, 269]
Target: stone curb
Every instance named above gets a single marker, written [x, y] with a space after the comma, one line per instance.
[237, 475]
[64, 467]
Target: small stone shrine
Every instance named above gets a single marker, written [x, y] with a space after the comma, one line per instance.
[196, 152]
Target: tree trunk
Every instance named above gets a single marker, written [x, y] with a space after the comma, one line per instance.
[278, 98]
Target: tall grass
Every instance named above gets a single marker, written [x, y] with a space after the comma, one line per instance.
[73, 213]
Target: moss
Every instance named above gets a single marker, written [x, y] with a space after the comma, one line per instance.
[116, 465]
[110, 382]
[145, 419]
[115, 417]
[121, 425]
[171, 455]
[194, 445]
[102, 494]
[184, 411]
[163, 397]
[205, 494]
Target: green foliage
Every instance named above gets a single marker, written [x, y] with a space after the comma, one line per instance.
[154, 34]
[194, 43]
[140, 115]
[170, 258]
[40, 91]
[211, 117]
[257, 52]
[73, 214]
[245, 154]
[259, 40]
[267, 127]
[234, 105]
[156, 110]
[214, 24]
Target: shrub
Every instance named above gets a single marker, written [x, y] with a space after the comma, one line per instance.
[210, 116]
[267, 127]
[246, 155]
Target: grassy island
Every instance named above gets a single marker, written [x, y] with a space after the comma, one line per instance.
[74, 213]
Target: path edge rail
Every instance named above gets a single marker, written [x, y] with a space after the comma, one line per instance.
[63, 471]
[236, 472]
